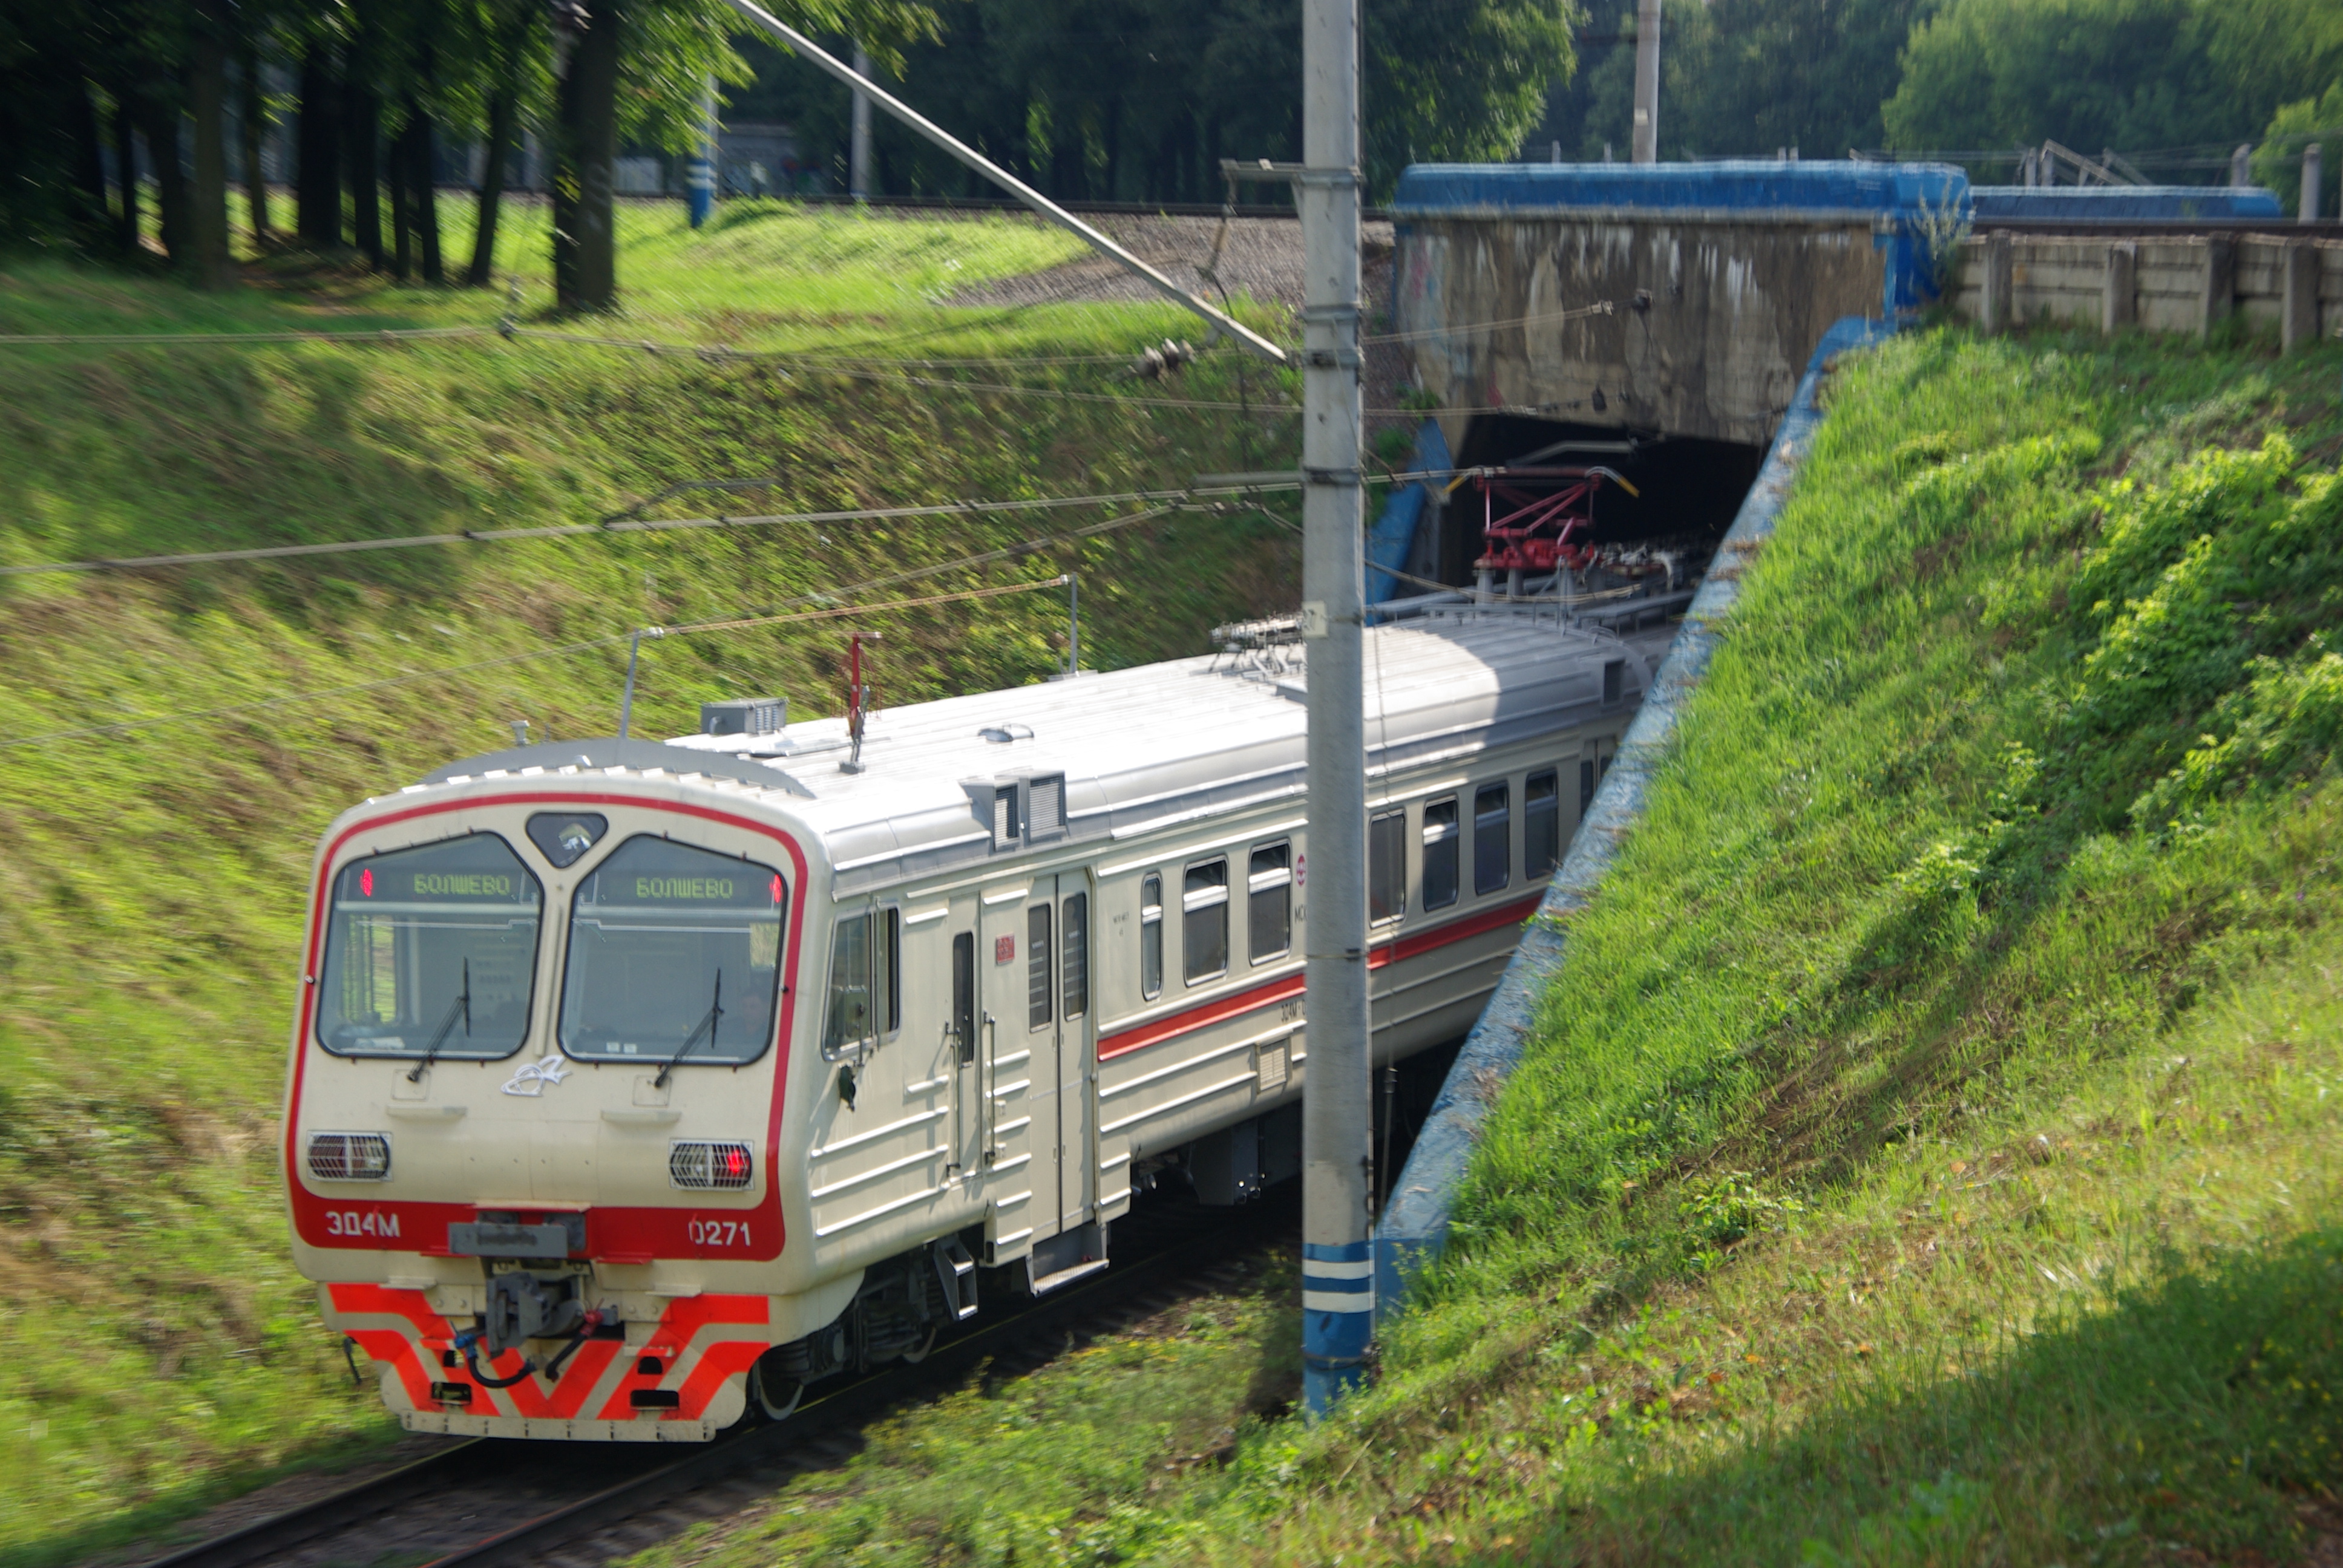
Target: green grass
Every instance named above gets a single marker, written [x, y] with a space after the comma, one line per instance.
[1931, 1152]
[155, 1349]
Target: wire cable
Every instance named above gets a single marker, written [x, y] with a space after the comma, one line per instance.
[621, 523]
[829, 611]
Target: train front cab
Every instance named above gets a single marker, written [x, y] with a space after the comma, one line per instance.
[539, 1086]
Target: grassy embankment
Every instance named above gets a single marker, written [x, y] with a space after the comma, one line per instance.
[1931, 1154]
[154, 1347]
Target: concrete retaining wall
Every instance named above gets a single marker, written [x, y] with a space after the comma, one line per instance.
[2160, 284]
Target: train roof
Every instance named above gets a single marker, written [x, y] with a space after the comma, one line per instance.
[1137, 748]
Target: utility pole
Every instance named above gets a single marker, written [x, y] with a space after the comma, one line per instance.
[1647, 81]
[858, 173]
[1338, 1298]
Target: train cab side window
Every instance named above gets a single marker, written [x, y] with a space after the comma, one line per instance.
[1441, 844]
[1386, 867]
[1269, 903]
[1037, 967]
[866, 988]
[1151, 937]
[1492, 839]
[1541, 824]
[1585, 788]
[1074, 954]
[1204, 920]
[963, 1012]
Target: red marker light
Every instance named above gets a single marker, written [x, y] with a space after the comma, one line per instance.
[735, 1162]
[777, 889]
[366, 882]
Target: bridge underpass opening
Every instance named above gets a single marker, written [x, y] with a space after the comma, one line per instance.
[1685, 492]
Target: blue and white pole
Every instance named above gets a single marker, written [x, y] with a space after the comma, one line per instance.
[1338, 1288]
[700, 175]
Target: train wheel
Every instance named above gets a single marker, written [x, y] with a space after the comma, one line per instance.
[776, 1398]
[917, 1356]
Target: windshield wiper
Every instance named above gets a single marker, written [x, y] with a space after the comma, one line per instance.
[715, 1011]
[460, 1006]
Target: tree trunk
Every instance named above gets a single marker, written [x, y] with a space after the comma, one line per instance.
[585, 234]
[424, 190]
[401, 238]
[254, 129]
[213, 266]
[317, 173]
[126, 159]
[171, 195]
[362, 159]
[89, 153]
[492, 188]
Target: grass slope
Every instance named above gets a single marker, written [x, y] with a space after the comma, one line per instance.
[1930, 1153]
[154, 1347]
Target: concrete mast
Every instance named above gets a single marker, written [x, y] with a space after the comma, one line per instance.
[857, 169]
[1647, 81]
[1337, 1274]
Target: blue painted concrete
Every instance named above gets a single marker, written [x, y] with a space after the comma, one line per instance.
[1338, 1320]
[1913, 206]
[1414, 1223]
[2121, 203]
[1727, 185]
[1393, 534]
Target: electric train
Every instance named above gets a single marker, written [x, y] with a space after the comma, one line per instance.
[638, 1085]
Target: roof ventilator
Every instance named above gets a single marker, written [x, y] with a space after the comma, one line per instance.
[1022, 808]
[745, 716]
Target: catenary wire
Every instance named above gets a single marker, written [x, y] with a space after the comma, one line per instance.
[815, 597]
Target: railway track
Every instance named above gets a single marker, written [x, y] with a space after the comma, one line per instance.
[490, 1501]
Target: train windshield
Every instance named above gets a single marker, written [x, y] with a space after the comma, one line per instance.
[674, 955]
[431, 951]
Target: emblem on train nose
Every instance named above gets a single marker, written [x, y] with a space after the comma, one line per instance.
[531, 1080]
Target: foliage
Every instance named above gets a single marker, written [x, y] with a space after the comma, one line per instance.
[2278, 160]
[1744, 78]
[1140, 99]
[2093, 74]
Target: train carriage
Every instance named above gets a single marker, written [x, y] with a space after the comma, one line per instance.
[635, 1084]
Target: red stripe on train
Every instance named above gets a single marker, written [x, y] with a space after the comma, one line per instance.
[1236, 1004]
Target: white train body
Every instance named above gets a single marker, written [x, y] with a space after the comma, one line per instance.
[935, 1015]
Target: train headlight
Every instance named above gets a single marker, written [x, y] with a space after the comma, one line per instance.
[701, 1167]
[349, 1156]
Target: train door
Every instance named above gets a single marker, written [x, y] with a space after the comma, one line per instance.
[1008, 1147]
[1057, 1018]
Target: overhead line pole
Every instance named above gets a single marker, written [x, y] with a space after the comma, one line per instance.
[1337, 1151]
[1646, 140]
[872, 93]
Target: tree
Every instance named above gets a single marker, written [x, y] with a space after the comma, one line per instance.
[1746, 77]
[2277, 161]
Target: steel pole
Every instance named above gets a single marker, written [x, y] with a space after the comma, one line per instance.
[1647, 81]
[1337, 1162]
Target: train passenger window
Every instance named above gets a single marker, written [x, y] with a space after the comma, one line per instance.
[1492, 839]
[1541, 824]
[1386, 867]
[1151, 937]
[432, 948]
[1585, 788]
[1442, 843]
[1269, 903]
[963, 1012]
[1074, 955]
[1204, 920]
[674, 956]
[1037, 967]
[866, 988]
